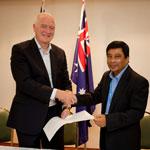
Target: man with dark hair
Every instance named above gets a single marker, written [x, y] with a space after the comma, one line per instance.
[119, 44]
[123, 94]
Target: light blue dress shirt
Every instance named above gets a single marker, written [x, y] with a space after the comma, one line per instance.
[113, 84]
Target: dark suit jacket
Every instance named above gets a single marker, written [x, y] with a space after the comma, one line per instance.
[30, 104]
[122, 131]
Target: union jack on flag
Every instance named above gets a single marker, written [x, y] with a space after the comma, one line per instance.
[82, 71]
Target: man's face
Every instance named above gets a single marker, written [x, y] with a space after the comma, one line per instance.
[116, 60]
[44, 29]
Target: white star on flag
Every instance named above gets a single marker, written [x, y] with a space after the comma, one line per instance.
[76, 65]
[82, 91]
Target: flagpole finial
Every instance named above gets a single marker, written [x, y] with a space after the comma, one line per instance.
[42, 6]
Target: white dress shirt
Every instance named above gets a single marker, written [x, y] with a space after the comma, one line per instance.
[46, 59]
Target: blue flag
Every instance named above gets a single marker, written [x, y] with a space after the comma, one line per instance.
[82, 71]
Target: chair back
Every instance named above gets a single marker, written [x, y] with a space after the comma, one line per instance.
[5, 132]
[71, 134]
[145, 132]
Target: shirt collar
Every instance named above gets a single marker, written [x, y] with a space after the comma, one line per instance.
[40, 48]
[119, 75]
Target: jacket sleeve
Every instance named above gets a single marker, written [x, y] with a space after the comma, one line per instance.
[89, 99]
[66, 84]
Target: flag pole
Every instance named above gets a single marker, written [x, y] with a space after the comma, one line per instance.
[42, 6]
[82, 10]
[82, 71]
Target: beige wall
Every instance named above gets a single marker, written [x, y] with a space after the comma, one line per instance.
[108, 20]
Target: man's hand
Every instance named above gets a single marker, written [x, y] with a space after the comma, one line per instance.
[66, 112]
[100, 120]
[66, 97]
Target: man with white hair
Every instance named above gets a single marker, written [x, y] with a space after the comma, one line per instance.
[40, 71]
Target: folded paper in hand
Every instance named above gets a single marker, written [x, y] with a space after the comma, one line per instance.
[56, 122]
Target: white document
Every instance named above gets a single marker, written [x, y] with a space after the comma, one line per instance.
[56, 122]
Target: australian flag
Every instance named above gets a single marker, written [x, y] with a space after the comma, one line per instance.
[82, 71]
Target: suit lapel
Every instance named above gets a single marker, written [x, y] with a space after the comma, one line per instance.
[53, 65]
[105, 92]
[38, 58]
[119, 89]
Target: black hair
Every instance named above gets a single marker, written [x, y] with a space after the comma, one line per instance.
[119, 44]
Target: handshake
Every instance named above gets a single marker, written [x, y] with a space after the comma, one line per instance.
[66, 97]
